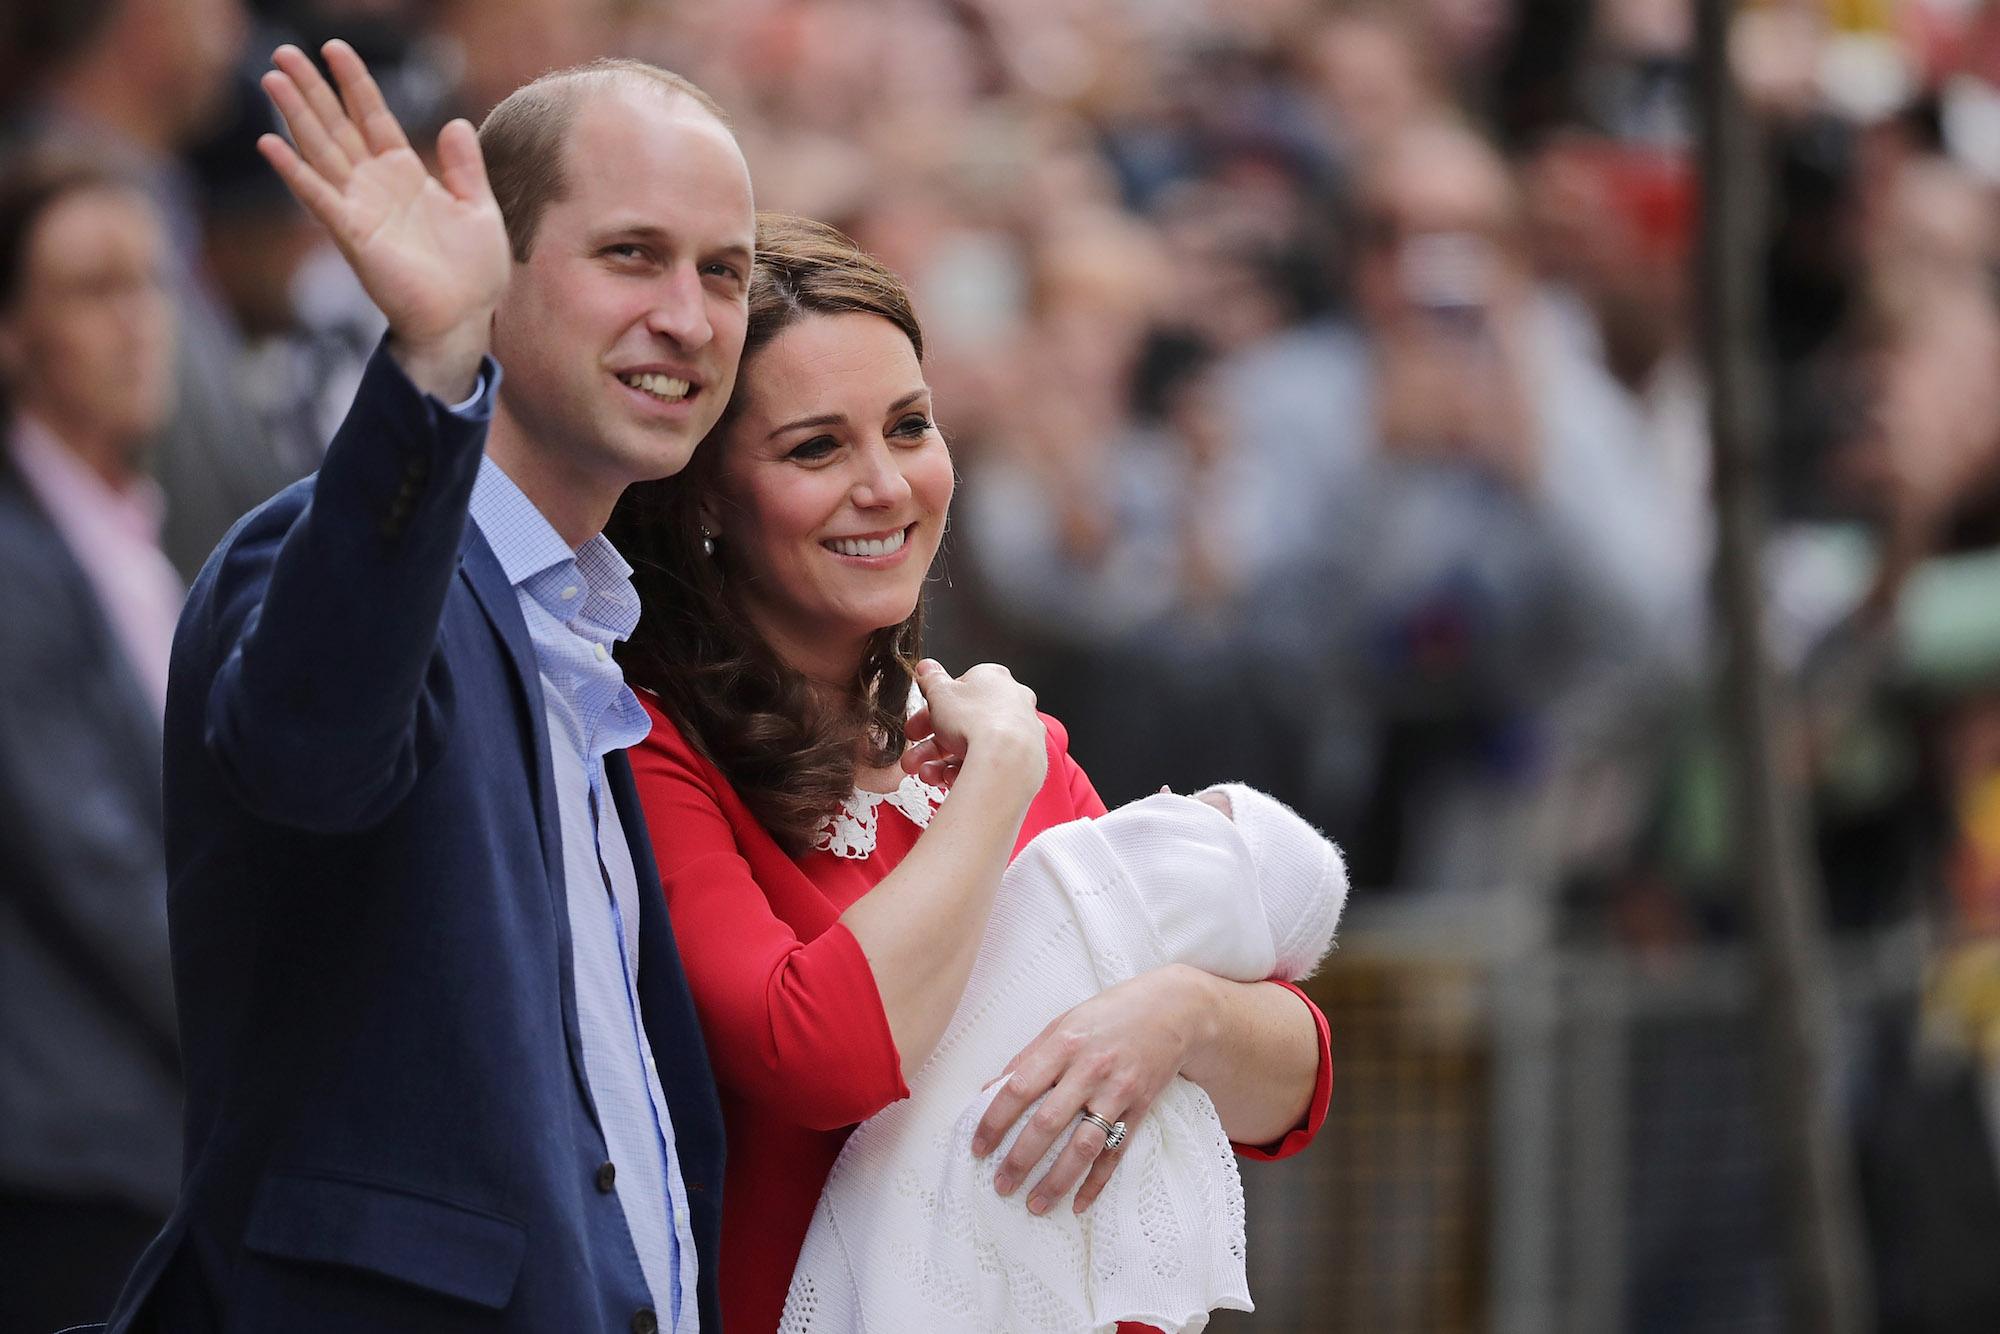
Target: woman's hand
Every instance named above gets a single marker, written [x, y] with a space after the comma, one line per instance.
[1111, 1055]
[984, 712]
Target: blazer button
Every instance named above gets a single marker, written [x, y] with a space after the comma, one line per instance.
[607, 1177]
[644, 1321]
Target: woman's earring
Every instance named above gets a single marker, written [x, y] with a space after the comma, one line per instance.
[707, 542]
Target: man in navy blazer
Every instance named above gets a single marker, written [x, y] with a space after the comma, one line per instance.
[408, 874]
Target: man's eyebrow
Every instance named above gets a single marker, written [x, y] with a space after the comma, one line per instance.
[836, 418]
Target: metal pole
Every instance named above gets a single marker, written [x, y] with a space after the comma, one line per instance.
[1826, 1283]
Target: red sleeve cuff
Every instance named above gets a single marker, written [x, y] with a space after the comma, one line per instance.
[836, 1013]
[1302, 1134]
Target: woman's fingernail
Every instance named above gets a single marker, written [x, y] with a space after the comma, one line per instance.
[979, 1146]
[1004, 1183]
[1038, 1205]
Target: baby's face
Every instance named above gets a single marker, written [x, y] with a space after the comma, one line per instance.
[1219, 800]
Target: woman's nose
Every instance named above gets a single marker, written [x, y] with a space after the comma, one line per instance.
[881, 483]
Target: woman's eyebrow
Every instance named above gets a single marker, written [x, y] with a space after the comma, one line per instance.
[835, 418]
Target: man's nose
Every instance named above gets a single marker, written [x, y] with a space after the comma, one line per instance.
[680, 308]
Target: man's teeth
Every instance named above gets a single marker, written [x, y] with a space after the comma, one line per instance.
[868, 546]
[659, 386]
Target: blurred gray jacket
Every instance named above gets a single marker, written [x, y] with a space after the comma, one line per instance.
[89, 1072]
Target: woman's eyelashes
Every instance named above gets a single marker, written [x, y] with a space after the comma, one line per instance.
[913, 428]
[813, 450]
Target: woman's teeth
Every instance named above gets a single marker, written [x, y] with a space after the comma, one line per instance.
[659, 386]
[868, 546]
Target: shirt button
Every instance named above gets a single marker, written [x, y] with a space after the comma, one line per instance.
[644, 1321]
[607, 1177]
[569, 592]
[602, 653]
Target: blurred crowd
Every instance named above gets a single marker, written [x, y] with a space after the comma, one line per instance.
[1324, 382]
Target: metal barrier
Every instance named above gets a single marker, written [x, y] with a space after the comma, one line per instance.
[1532, 1139]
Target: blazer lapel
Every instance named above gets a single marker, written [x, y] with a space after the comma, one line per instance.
[480, 569]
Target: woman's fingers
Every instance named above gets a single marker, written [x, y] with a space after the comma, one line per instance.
[379, 128]
[1012, 1100]
[1086, 1146]
[1100, 1172]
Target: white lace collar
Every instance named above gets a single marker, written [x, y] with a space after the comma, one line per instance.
[850, 831]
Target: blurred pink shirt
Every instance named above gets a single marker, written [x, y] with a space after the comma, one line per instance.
[115, 536]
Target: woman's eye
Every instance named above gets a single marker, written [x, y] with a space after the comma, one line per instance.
[916, 424]
[819, 447]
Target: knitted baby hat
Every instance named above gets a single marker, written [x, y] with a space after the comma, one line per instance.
[1300, 874]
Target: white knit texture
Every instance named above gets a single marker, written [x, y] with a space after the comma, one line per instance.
[909, 1234]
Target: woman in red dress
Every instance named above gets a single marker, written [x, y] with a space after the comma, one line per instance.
[828, 881]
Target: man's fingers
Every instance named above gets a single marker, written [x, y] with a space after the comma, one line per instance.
[379, 127]
[317, 115]
[320, 199]
[320, 153]
[461, 166]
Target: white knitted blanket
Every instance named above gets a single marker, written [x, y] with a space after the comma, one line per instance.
[909, 1234]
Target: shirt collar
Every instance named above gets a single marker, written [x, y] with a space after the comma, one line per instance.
[592, 583]
[68, 486]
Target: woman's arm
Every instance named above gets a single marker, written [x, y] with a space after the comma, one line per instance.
[920, 927]
[824, 1027]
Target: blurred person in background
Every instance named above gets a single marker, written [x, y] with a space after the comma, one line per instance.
[144, 80]
[1481, 582]
[89, 1074]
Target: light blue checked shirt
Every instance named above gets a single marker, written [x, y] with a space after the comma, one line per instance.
[577, 604]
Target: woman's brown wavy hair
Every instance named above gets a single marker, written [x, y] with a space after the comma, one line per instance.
[790, 748]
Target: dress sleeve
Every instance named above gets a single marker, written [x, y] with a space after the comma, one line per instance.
[792, 1025]
[1084, 803]
[1322, 1095]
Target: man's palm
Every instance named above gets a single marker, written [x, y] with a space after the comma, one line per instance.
[431, 251]
[425, 256]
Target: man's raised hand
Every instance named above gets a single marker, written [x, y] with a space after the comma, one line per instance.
[430, 251]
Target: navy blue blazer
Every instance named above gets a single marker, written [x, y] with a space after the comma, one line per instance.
[388, 1126]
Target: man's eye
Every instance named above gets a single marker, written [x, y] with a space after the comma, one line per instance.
[720, 270]
[625, 250]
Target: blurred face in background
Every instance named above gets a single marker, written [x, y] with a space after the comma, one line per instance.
[1440, 239]
[180, 53]
[831, 493]
[88, 346]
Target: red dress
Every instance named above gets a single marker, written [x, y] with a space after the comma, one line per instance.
[794, 1023]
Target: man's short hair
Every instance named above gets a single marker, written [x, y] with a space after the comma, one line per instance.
[523, 139]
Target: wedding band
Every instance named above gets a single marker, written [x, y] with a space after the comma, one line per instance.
[1116, 1138]
[1100, 1123]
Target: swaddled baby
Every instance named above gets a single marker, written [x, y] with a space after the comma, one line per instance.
[909, 1234]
